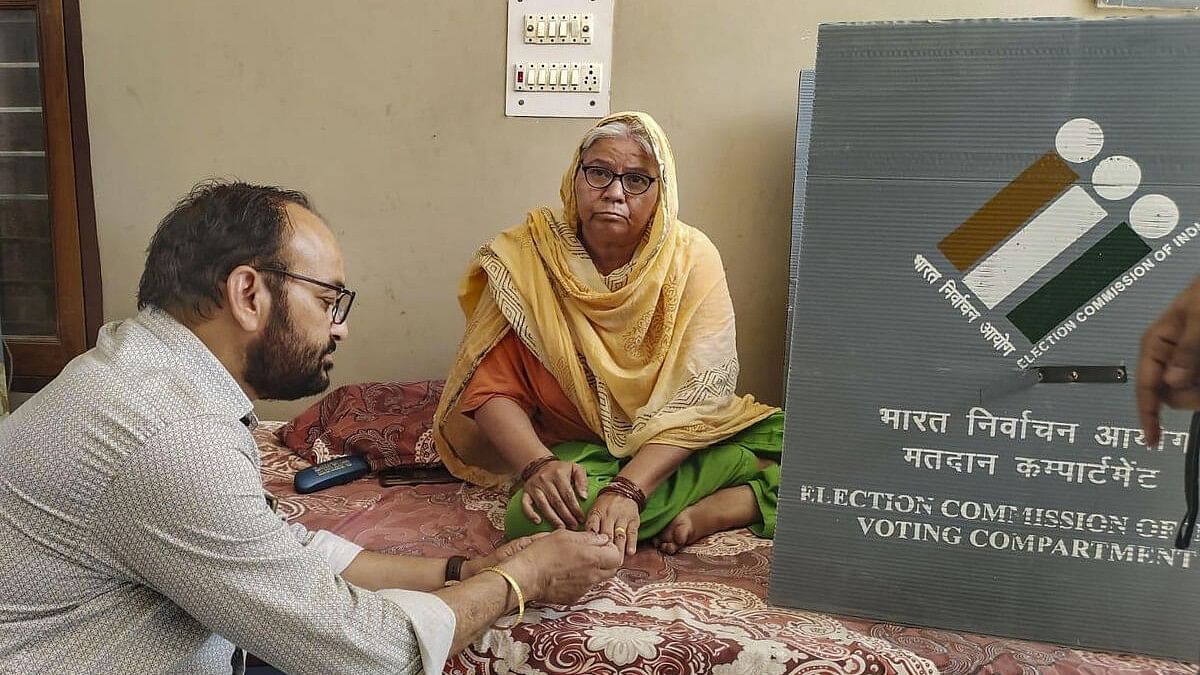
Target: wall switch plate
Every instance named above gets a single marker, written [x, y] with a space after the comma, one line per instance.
[559, 58]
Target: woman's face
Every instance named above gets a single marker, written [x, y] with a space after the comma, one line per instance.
[610, 217]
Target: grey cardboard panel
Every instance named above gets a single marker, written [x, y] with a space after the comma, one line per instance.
[915, 127]
[799, 185]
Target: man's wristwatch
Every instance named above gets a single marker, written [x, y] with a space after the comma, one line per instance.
[454, 566]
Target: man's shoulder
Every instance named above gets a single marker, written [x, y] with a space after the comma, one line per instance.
[131, 386]
[128, 380]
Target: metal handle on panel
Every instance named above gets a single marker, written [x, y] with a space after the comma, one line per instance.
[1082, 375]
[1024, 379]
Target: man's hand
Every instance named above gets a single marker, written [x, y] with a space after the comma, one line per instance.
[556, 568]
[564, 564]
[1168, 370]
[473, 566]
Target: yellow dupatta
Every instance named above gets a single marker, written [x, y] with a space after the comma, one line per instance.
[646, 354]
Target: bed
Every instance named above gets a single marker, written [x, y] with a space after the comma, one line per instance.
[700, 611]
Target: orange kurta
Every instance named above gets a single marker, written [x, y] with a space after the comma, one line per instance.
[511, 371]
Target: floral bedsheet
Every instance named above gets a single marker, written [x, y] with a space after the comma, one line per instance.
[702, 610]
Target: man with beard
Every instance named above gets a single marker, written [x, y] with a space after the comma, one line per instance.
[134, 533]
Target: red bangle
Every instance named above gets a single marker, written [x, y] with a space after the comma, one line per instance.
[535, 466]
[624, 487]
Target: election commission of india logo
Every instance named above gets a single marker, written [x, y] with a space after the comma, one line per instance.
[1032, 223]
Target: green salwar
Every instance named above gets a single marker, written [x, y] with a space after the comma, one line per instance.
[729, 463]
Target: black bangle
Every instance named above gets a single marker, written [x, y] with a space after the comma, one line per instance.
[454, 566]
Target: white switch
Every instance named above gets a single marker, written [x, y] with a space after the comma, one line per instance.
[562, 29]
[575, 76]
[542, 74]
[552, 28]
[553, 76]
[541, 29]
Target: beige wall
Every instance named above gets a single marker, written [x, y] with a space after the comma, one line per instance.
[390, 113]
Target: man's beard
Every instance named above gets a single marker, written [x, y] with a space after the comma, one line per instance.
[280, 366]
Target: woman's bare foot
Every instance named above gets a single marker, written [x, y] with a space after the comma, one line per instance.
[722, 510]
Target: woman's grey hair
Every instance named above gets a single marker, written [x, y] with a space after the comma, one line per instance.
[618, 129]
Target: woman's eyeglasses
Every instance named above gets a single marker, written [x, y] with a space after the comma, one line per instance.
[600, 178]
[340, 309]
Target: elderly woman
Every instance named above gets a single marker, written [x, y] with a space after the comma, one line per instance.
[599, 363]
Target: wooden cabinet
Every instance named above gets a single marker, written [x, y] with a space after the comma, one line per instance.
[50, 303]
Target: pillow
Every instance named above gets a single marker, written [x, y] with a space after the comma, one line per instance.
[388, 423]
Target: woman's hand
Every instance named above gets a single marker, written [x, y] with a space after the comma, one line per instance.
[555, 491]
[616, 516]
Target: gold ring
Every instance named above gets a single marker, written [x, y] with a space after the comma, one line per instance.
[620, 531]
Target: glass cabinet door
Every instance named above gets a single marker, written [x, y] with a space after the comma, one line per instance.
[27, 273]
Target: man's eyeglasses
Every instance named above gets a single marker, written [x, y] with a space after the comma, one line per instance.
[339, 310]
[600, 178]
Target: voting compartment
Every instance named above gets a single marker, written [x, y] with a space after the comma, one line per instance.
[993, 212]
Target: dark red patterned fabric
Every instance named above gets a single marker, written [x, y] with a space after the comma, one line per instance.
[702, 610]
[386, 422]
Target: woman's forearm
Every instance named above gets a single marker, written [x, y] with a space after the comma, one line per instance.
[653, 464]
[509, 429]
